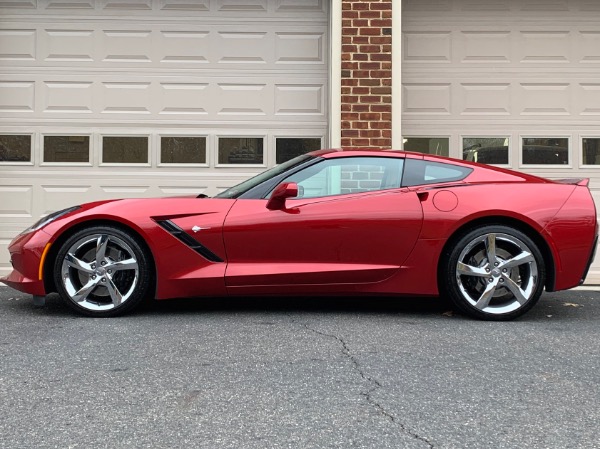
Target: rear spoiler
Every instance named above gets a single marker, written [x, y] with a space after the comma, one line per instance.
[577, 181]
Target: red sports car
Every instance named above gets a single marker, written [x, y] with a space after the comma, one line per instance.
[329, 222]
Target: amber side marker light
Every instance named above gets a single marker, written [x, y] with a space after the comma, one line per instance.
[43, 259]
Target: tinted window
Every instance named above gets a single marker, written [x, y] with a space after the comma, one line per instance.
[240, 150]
[341, 176]
[249, 184]
[419, 172]
[591, 150]
[182, 150]
[486, 150]
[125, 150]
[287, 148]
[440, 146]
[15, 148]
[66, 148]
[546, 151]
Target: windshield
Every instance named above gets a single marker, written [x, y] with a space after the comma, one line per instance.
[240, 189]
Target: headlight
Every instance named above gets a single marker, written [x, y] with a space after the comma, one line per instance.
[49, 219]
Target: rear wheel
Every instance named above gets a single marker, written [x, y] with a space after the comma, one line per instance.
[493, 273]
[102, 271]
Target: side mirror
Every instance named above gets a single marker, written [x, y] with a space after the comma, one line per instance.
[280, 194]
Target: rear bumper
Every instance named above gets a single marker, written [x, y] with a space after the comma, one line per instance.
[572, 235]
[590, 260]
[25, 256]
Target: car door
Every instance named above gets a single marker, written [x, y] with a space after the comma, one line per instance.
[351, 223]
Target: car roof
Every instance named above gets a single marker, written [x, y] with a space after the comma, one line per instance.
[345, 152]
[482, 172]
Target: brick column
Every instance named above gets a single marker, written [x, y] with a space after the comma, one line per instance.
[366, 73]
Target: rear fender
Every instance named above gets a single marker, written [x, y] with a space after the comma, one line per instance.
[514, 204]
[572, 233]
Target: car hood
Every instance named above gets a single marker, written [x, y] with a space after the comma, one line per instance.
[139, 213]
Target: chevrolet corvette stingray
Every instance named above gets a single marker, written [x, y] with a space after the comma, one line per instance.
[331, 222]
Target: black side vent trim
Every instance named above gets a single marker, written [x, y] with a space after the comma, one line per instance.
[184, 237]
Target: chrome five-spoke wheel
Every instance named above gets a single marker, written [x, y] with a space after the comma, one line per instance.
[101, 271]
[497, 273]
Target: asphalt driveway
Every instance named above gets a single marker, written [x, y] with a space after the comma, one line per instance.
[300, 373]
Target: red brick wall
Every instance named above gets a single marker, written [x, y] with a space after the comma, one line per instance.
[367, 73]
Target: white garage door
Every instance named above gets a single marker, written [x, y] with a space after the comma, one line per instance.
[508, 82]
[115, 98]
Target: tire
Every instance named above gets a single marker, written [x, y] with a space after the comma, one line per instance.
[102, 271]
[493, 272]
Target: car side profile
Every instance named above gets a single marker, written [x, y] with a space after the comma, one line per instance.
[331, 222]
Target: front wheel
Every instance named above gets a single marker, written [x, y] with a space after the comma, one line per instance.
[493, 273]
[102, 271]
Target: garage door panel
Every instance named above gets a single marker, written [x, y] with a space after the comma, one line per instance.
[299, 47]
[53, 197]
[201, 45]
[564, 99]
[17, 201]
[174, 190]
[300, 6]
[236, 5]
[129, 97]
[470, 6]
[299, 99]
[544, 47]
[67, 45]
[423, 98]
[125, 45]
[120, 5]
[589, 46]
[126, 191]
[546, 98]
[184, 47]
[427, 46]
[241, 47]
[19, 4]
[63, 4]
[531, 48]
[426, 6]
[184, 5]
[67, 96]
[17, 45]
[589, 98]
[484, 47]
[17, 96]
[484, 99]
[184, 98]
[102, 97]
[241, 99]
[544, 5]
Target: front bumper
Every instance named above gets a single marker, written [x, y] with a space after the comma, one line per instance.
[26, 256]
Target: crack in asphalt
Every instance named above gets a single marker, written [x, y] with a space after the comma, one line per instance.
[376, 386]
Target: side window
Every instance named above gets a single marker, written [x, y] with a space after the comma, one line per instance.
[419, 172]
[342, 176]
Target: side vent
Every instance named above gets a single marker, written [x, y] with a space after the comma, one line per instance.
[184, 237]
